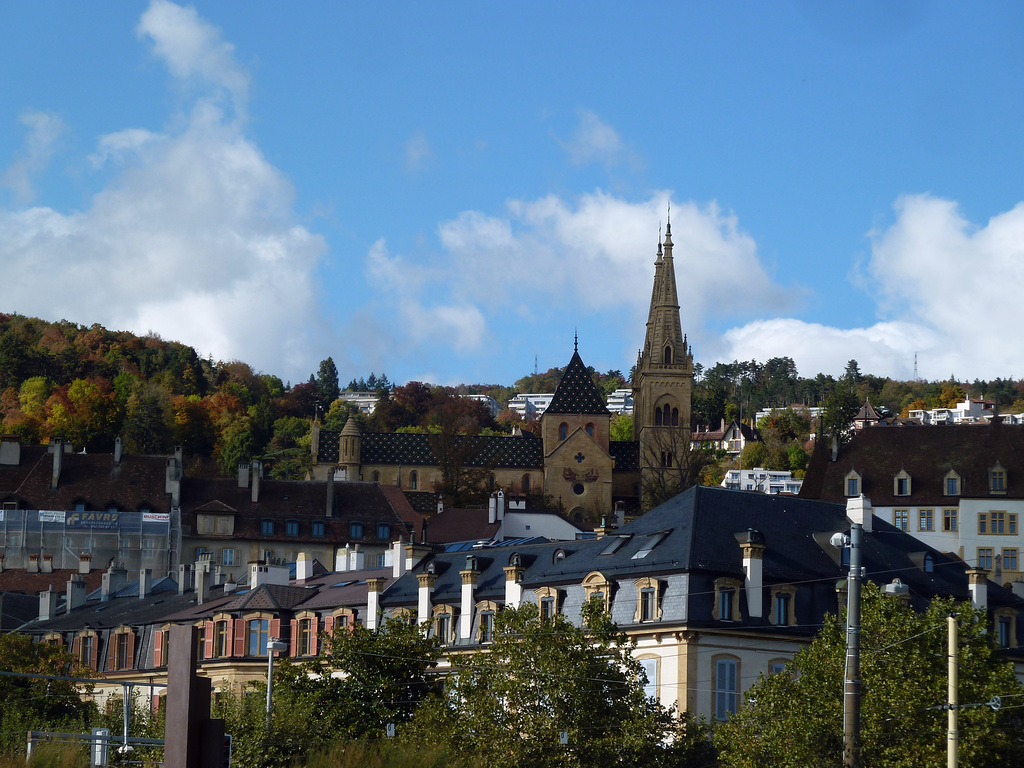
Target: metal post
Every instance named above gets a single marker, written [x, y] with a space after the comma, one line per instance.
[272, 645]
[953, 736]
[851, 688]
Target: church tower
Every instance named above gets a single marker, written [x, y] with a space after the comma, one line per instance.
[663, 380]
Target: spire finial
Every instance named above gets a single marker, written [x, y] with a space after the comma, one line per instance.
[668, 226]
[575, 340]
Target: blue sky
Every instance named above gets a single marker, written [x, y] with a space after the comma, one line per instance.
[445, 191]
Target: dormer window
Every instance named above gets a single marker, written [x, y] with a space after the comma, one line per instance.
[901, 484]
[853, 484]
[952, 484]
[997, 479]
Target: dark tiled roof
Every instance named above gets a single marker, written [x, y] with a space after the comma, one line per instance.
[415, 448]
[90, 479]
[34, 583]
[269, 597]
[576, 392]
[927, 453]
[459, 525]
[626, 454]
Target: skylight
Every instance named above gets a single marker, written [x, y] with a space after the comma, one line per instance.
[614, 545]
[652, 541]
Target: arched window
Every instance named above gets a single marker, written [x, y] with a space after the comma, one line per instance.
[563, 431]
[675, 416]
[590, 429]
[526, 483]
[376, 476]
[657, 416]
[668, 355]
[413, 480]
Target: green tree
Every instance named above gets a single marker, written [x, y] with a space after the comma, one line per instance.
[621, 427]
[674, 463]
[796, 718]
[327, 382]
[539, 678]
[148, 421]
[840, 406]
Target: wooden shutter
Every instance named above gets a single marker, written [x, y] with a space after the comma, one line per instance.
[240, 648]
[76, 647]
[275, 631]
[111, 651]
[208, 633]
[158, 648]
[295, 637]
[129, 661]
[314, 626]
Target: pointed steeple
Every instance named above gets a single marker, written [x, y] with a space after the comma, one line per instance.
[576, 392]
[664, 343]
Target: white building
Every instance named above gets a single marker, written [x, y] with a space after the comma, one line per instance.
[531, 406]
[762, 480]
[621, 401]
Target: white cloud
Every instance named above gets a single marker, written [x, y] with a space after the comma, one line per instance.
[195, 237]
[947, 290]
[417, 151]
[194, 51]
[43, 131]
[594, 141]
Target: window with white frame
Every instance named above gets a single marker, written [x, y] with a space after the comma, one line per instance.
[650, 667]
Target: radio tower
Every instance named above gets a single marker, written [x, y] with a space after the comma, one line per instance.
[915, 367]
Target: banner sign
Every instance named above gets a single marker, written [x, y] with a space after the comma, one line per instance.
[49, 516]
[156, 517]
[88, 519]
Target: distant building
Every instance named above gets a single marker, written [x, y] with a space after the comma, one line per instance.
[970, 411]
[489, 402]
[768, 481]
[621, 402]
[531, 406]
[366, 402]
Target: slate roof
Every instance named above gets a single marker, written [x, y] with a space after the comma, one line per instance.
[626, 454]
[92, 479]
[927, 453]
[576, 392]
[415, 448]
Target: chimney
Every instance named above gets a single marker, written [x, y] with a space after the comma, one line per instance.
[114, 579]
[172, 479]
[977, 579]
[10, 450]
[230, 586]
[1018, 587]
[492, 509]
[858, 510]
[85, 563]
[514, 581]
[440, 503]
[358, 561]
[47, 604]
[47, 566]
[145, 582]
[303, 567]
[501, 505]
[58, 460]
[469, 578]
[185, 578]
[219, 576]
[426, 581]
[267, 572]
[76, 592]
[243, 475]
[33, 563]
[341, 559]
[330, 493]
[203, 579]
[753, 582]
[373, 589]
[117, 451]
[414, 554]
[397, 559]
[257, 474]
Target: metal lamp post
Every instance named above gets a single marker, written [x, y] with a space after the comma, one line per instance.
[273, 645]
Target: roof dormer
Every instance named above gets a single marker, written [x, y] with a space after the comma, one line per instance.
[853, 484]
[951, 484]
[901, 483]
[997, 481]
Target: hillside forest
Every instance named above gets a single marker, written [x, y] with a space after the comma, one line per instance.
[89, 385]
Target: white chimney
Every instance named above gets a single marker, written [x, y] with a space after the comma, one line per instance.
[373, 590]
[58, 460]
[117, 450]
[753, 581]
[514, 581]
[358, 561]
[185, 578]
[76, 592]
[426, 586]
[469, 577]
[85, 563]
[243, 475]
[977, 579]
[501, 505]
[261, 573]
[203, 579]
[114, 578]
[492, 509]
[858, 510]
[303, 567]
[47, 566]
[47, 604]
[341, 559]
[145, 582]
[397, 559]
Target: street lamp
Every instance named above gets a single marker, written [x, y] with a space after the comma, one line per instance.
[273, 645]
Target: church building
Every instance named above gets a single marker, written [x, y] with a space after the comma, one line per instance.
[572, 460]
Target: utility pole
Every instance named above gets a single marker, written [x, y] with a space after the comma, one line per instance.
[953, 736]
[851, 688]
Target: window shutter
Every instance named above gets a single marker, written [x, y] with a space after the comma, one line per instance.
[76, 647]
[239, 625]
[111, 651]
[208, 630]
[314, 625]
[275, 629]
[294, 643]
[130, 661]
[158, 648]
[94, 657]
[328, 625]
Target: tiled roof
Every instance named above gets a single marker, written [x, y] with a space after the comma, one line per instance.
[576, 392]
[328, 447]
[626, 454]
[456, 524]
[416, 448]
[927, 454]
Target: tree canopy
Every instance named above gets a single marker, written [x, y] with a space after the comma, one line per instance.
[795, 718]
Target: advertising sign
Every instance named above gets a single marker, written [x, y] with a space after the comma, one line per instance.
[93, 519]
[49, 516]
[156, 517]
